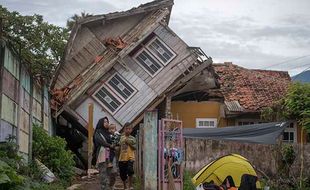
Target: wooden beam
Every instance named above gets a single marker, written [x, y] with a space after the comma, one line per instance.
[90, 136]
[77, 117]
[189, 76]
[122, 63]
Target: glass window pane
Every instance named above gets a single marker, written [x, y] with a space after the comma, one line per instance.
[107, 99]
[148, 62]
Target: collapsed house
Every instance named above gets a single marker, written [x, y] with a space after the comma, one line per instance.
[123, 63]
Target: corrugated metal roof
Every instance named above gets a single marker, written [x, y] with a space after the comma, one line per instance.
[234, 106]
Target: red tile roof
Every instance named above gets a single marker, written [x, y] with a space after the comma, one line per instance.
[253, 89]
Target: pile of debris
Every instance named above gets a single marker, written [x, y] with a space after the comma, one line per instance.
[60, 96]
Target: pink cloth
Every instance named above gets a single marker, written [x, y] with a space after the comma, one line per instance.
[103, 155]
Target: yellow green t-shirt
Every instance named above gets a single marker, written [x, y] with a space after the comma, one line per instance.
[127, 149]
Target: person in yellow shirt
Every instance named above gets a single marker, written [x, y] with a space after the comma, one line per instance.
[127, 156]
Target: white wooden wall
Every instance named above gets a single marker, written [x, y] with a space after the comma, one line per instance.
[149, 88]
[99, 113]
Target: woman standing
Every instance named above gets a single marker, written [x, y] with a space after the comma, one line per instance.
[102, 143]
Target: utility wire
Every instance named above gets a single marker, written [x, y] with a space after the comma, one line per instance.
[300, 66]
[283, 62]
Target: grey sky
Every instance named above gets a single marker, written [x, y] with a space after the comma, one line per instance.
[253, 34]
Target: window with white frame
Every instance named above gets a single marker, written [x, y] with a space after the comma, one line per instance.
[121, 86]
[289, 134]
[206, 122]
[160, 50]
[154, 55]
[148, 62]
[107, 99]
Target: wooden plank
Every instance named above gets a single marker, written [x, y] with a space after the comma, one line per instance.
[151, 106]
[144, 99]
[140, 97]
[90, 135]
[143, 29]
[137, 69]
[150, 150]
[117, 27]
[82, 38]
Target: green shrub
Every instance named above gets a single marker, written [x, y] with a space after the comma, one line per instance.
[187, 179]
[10, 162]
[51, 151]
[9, 178]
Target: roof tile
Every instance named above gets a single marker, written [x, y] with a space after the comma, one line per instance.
[253, 89]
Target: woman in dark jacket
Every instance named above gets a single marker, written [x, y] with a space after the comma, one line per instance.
[102, 140]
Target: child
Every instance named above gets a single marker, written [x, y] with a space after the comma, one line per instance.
[114, 136]
[127, 155]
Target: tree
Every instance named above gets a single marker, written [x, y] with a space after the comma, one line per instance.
[42, 44]
[297, 104]
[75, 18]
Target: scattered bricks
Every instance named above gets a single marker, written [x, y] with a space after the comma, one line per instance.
[118, 43]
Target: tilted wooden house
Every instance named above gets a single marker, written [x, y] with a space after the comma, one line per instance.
[124, 63]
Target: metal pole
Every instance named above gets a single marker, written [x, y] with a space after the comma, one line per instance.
[90, 135]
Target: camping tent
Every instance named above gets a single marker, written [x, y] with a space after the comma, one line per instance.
[218, 170]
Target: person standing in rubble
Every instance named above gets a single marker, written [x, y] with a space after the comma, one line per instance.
[102, 145]
[127, 156]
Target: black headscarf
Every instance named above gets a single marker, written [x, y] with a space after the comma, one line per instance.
[98, 141]
[101, 129]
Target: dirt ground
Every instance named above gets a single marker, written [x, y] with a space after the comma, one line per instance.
[92, 183]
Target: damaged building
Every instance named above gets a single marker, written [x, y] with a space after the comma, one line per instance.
[123, 63]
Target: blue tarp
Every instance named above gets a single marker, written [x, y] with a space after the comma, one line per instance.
[265, 133]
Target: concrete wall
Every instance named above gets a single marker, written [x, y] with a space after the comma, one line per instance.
[22, 101]
[199, 152]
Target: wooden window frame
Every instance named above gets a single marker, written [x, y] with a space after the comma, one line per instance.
[112, 93]
[206, 119]
[117, 93]
[150, 54]
[147, 46]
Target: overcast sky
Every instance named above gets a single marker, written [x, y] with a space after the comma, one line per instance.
[258, 34]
